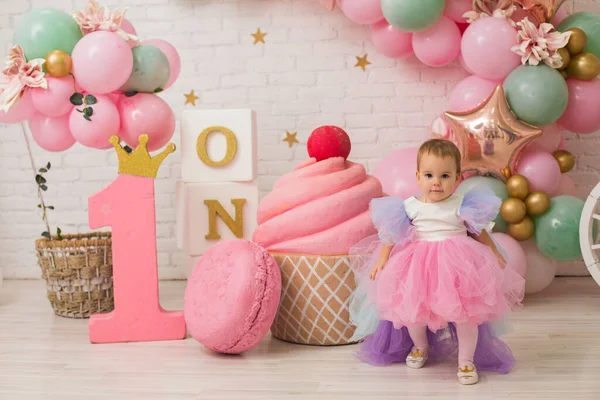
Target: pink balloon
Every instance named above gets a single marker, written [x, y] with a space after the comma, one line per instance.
[583, 108]
[172, 55]
[116, 96]
[391, 42]
[20, 111]
[517, 259]
[566, 186]
[55, 100]
[549, 140]
[102, 62]
[149, 114]
[456, 8]
[562, 144]
[396, 172]
[51, 133]
[486, 45]
[128, 27]
[561, 14]
[362, 12]
[462, 63]
[541, 170]
[441, 128]
[104, 123]
[470, 92]
[439, 44]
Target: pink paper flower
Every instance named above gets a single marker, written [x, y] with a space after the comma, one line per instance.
[541, 44]
[491, 8]
[18, 75]
[95, 17]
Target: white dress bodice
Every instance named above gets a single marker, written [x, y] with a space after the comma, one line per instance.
[436, 221]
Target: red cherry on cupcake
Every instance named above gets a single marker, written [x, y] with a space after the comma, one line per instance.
[328, 141]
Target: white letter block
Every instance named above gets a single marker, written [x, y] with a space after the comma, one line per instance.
[218, 146]
[209, 212]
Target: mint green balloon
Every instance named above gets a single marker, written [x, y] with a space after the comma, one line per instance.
[42, 30]
[588, 22]
[538, 95]
[412, 15]
[557, 230]
[151, 70]
[497, 186]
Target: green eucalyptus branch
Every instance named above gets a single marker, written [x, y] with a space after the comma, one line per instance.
[42, 184]
[78, 99]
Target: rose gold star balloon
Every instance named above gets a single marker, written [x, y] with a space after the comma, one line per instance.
[490, 137]
[542, 10]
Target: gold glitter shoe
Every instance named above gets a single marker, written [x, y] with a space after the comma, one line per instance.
[416, 358]
[467, 375]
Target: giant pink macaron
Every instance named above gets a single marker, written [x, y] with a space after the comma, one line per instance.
[232, 296]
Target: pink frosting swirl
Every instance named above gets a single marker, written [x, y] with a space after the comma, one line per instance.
[320, 208]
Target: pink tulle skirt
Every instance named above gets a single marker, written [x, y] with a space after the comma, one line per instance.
[436, 282]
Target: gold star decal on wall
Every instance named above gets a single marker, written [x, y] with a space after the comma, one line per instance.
[362, 62]
[190, 98]
[259, 36]
[290, 138]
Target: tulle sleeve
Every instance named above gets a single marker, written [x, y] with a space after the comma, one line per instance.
[391, 220]
[479, 207]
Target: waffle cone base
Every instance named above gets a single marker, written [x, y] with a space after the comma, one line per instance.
[315, 298]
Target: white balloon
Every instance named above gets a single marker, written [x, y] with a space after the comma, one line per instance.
[540, 269]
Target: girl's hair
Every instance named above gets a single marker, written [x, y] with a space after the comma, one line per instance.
[440, 148]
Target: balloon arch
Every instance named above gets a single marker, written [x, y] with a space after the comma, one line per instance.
[86, 76]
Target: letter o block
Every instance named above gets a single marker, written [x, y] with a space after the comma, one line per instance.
[218, 146]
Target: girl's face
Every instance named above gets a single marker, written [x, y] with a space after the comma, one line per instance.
[437, 177]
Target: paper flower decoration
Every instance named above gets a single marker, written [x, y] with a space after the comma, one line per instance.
[491, 8]
[95, 17]
[536, 45]
[18, 75]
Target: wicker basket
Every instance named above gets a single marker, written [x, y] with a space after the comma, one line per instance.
[78, 273]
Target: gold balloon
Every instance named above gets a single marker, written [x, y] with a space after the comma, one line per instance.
[517, 186]
[565, 56]
[577, 41]
[537, 203]
[522, 230]
[564, 74]
[506, 172]
[565, 160]
[490, 137]
[584, 66]
[542, 10]
[513, 210]
[58, 63]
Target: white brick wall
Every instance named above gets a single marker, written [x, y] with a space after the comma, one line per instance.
[303, 77]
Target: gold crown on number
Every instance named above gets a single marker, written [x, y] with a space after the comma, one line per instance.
[139, 162]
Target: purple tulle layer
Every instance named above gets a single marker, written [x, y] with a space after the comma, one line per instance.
[389, 345]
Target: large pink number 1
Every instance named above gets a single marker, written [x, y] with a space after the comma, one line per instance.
[128, 206]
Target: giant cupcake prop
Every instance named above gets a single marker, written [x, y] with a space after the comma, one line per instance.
[308, 223]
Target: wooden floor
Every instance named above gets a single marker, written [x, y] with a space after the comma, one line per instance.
[556, 340]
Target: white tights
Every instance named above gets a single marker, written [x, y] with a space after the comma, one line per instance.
[467, 340]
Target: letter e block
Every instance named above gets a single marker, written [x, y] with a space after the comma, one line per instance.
[218, 146]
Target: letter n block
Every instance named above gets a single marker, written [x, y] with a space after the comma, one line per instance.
[218, 146]
[209, 212]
